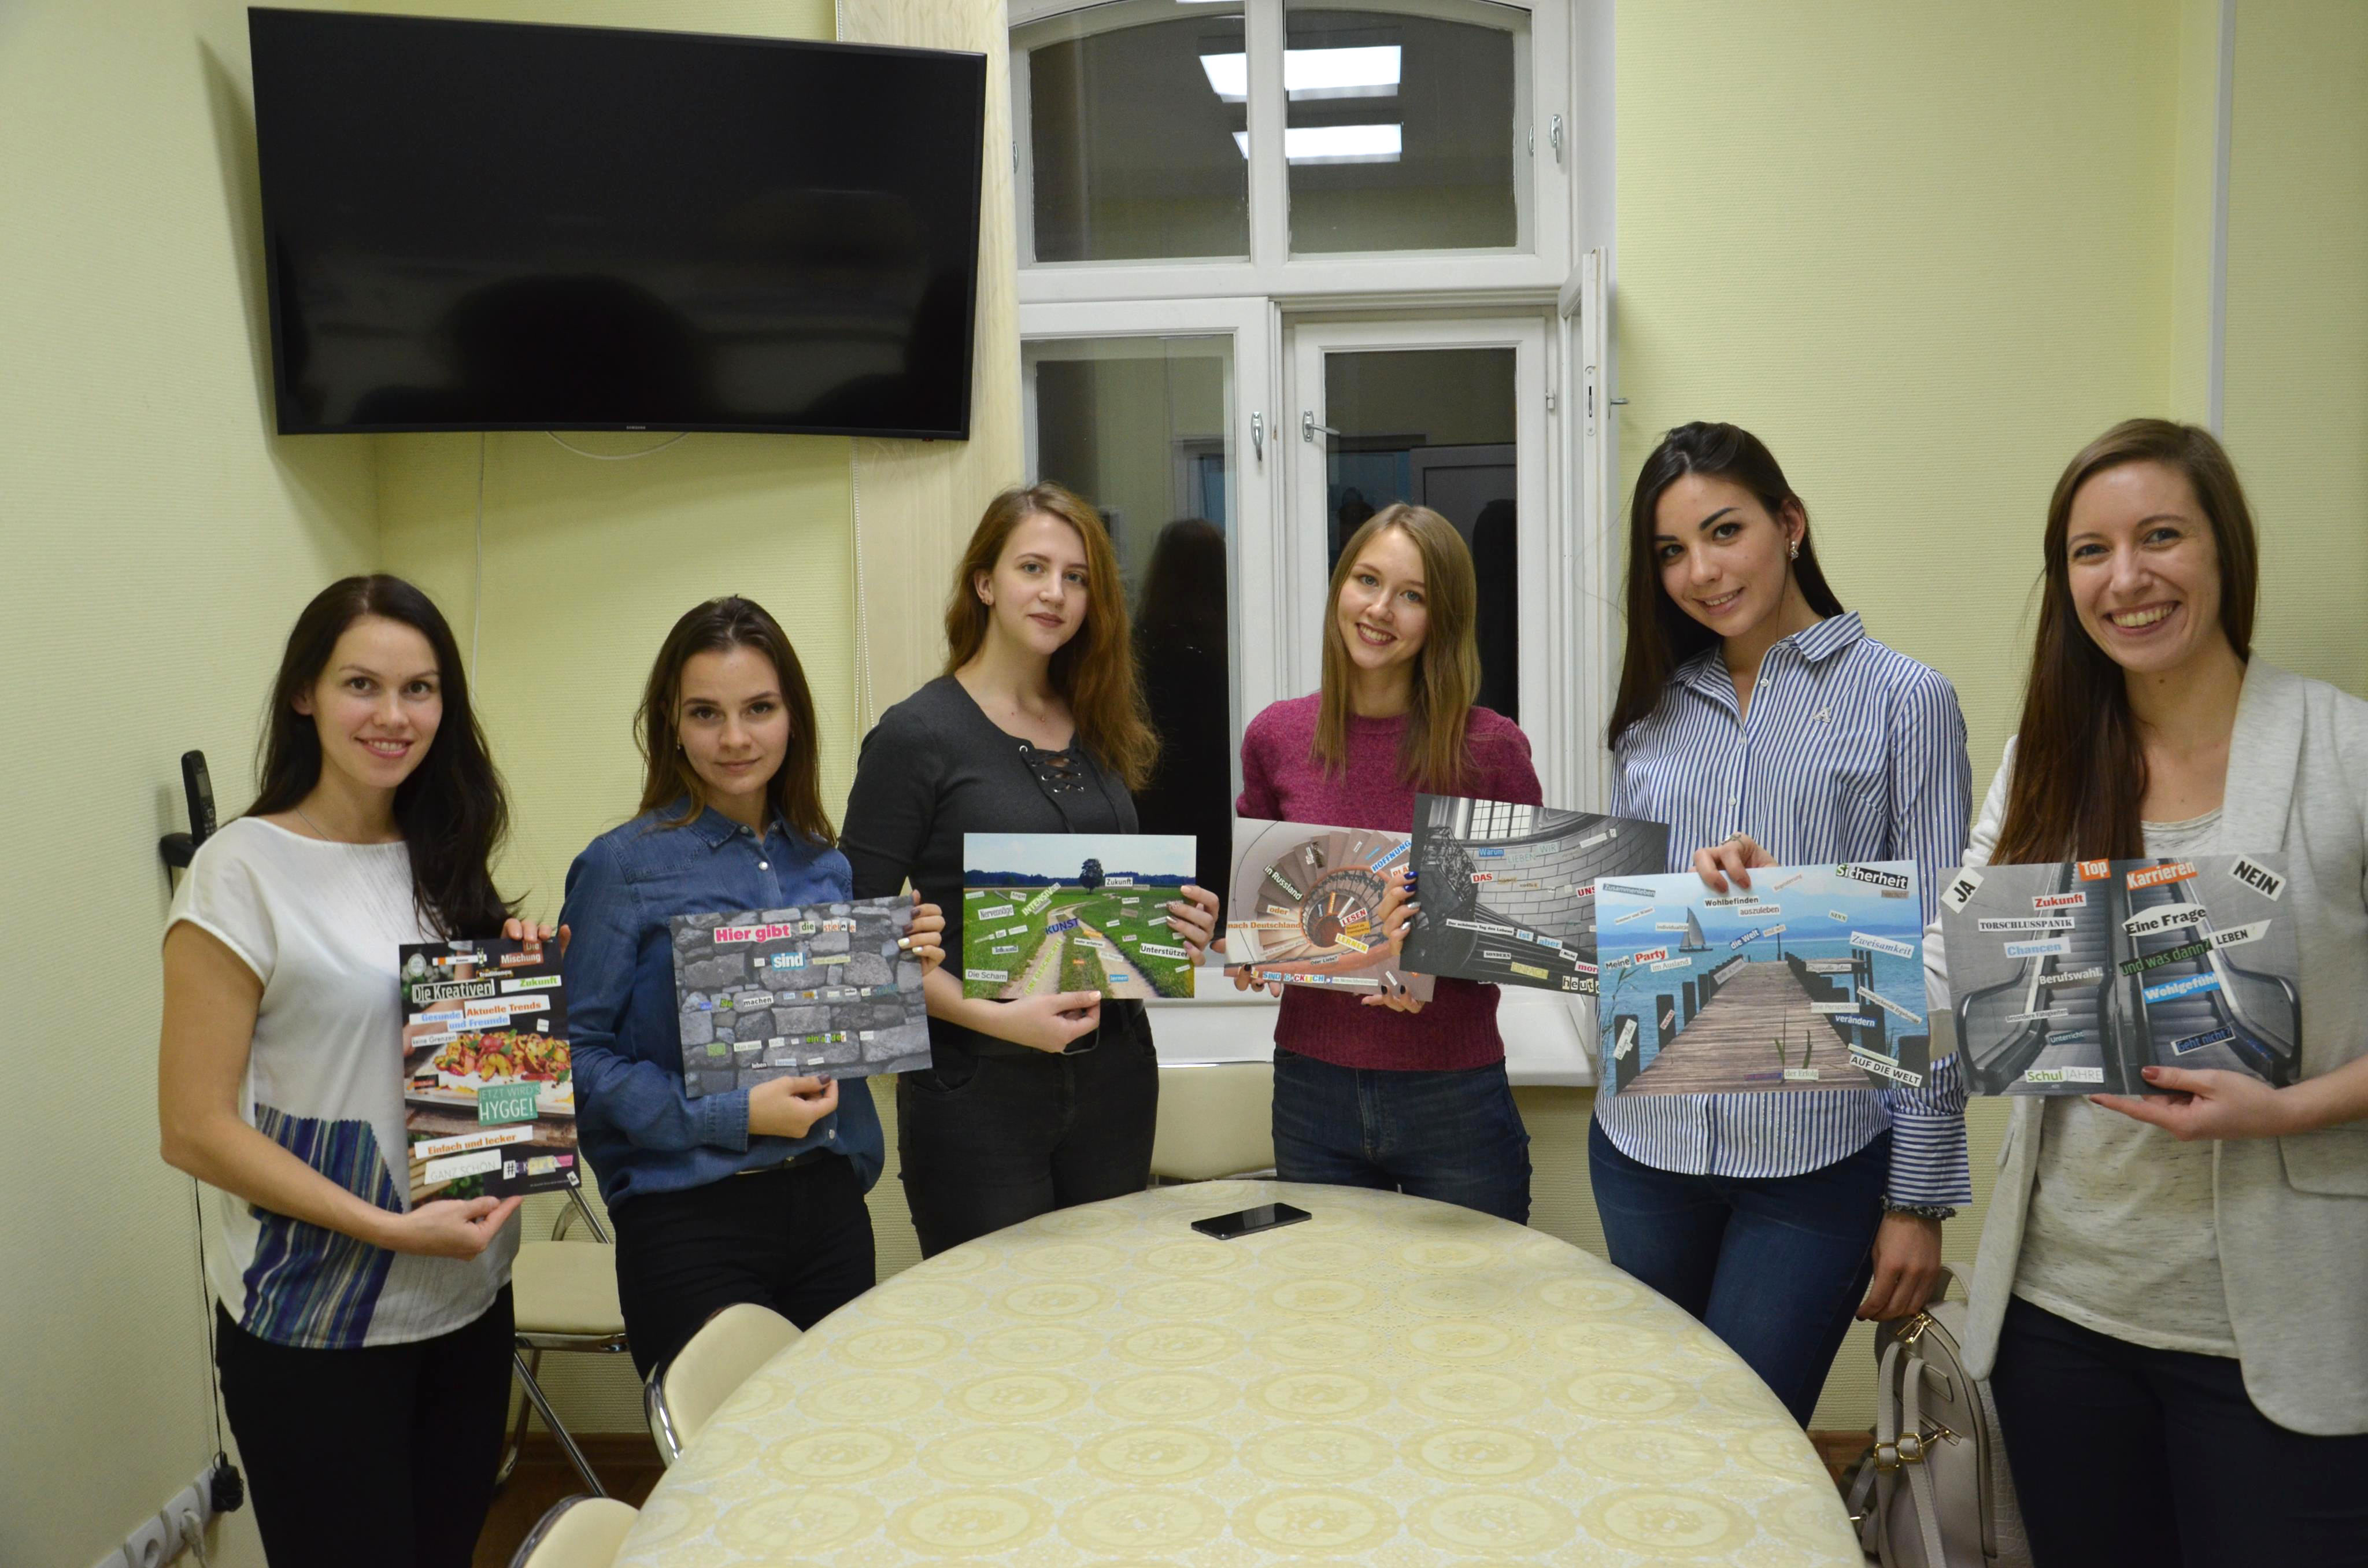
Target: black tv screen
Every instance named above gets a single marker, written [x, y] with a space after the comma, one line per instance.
[491, 226]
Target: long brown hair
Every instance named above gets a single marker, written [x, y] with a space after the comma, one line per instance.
[2079, 770]
[1447, 670]
[1094, 671]
[794, 793]
[451, 811]
[1661, 636]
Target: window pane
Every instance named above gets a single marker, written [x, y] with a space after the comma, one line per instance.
[1139, 427]
[1138, 133]
[1435, 427]
[1401, 130]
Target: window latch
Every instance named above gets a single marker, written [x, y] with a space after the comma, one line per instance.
[1308, 427]
[1554, 135]
[1257, 434]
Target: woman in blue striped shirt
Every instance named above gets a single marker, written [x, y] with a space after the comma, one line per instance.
[1759, 722]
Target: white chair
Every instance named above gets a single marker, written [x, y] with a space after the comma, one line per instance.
[1215, 1119]
[565, 1296]
[578, 1532]
[684, 1394]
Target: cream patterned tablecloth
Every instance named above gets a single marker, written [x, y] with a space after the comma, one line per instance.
[1393, 1381]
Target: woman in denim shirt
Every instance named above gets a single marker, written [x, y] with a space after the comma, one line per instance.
[755, 1195]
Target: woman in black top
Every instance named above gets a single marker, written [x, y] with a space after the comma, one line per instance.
[1036, 726]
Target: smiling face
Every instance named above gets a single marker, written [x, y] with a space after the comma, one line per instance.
[1383, 614]
[377, 703]
[1036, 595]
[2144, 567]
[733, 727]
[1722, 557]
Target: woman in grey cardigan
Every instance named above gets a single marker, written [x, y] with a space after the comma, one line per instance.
[2171, 1300]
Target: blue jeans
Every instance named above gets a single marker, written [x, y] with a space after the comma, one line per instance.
[1774, 1266]
[1456, 1136]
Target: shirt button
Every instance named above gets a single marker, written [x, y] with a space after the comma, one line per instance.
[764, 865]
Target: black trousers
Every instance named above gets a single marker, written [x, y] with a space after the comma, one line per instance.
[382, 1457]
[2125, 1454]
[1019, 1136]
[796, 1238]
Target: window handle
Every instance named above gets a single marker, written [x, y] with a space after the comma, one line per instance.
[1308, 427]
[1257, 434]
[1554, 135]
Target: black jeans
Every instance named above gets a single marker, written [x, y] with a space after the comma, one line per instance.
[796, 1238]
[1020, 1136]
[378, 1455]
[2125, 1454]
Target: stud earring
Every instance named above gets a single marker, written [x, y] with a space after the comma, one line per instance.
[1794, 552]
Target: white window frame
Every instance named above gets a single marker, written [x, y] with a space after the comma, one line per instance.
[1548, 588]
[1539, 264]
[1562, 274]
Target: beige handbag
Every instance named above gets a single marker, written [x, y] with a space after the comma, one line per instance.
[1935, 1492]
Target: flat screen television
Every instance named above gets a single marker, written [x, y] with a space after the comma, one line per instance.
[494, 226]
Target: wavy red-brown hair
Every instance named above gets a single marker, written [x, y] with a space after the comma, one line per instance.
[1094, 671]
[2079, 769]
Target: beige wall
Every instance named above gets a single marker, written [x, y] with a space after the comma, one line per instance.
[2298, 379]
[158, 544]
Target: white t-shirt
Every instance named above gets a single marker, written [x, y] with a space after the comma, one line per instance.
[320, 924]
[2121, 1235]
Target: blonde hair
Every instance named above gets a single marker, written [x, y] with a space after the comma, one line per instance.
[1447, 670]
[1094, 671]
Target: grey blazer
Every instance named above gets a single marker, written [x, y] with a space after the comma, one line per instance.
[2292, 1213]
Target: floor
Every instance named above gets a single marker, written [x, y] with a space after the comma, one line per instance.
[628, 1467]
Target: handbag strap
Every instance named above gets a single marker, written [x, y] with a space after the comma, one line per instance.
[1899, 1402]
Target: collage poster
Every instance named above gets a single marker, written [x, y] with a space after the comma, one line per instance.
[489, 1093]
[816, 991]
[1305, 906]
[1044, 912]
[1812, 978]
[1507, 892]
[2069, 978]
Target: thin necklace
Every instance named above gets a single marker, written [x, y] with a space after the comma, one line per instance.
[326, 837]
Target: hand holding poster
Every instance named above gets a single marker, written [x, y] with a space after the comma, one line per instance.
[1507, 892]
[820, 991]
[1812, 978]
[2069, 978]
[489, 1095]
[1306, 902]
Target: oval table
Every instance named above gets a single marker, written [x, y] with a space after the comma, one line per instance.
[1393, 1381]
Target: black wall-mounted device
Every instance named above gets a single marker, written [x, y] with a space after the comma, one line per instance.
[178, 848]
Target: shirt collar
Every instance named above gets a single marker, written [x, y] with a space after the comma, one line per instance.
[1706, 670]
[712, 827]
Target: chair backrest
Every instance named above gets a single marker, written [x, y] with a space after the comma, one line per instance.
[684, 1394]
[578, 1532]
[1215, 1119]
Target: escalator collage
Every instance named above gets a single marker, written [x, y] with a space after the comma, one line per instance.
[2072, 978]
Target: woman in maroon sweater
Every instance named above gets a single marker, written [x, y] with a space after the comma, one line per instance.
[1386, 1091]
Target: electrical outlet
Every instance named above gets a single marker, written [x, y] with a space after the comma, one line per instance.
[152, 1545]
[196, 1501]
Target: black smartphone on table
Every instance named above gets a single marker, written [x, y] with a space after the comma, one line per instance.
[1249, 1222]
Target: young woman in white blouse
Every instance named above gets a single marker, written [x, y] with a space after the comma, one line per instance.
[363, 1342]
[2171, 1300]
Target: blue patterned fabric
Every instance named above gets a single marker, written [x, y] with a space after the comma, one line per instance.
[309, 1285]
